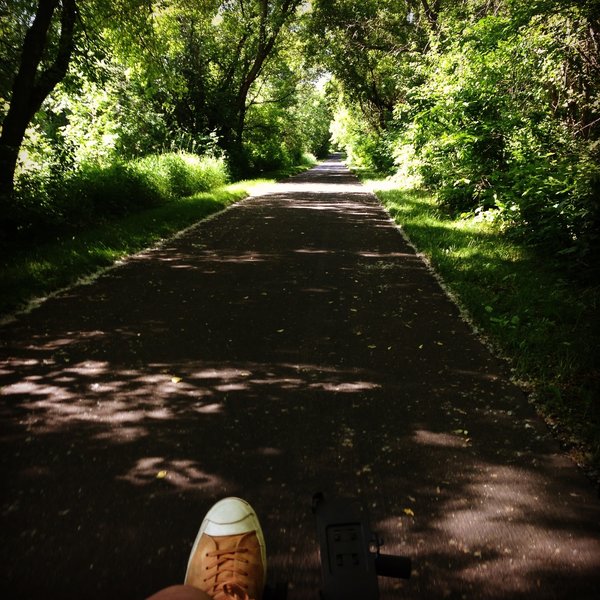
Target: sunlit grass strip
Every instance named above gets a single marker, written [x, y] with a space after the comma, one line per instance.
[524, 304]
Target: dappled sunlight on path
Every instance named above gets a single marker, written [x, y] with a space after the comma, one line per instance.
[292, 343]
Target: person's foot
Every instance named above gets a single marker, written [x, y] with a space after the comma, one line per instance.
[228, 559]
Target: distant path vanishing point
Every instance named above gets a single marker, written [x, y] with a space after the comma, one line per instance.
[293, 343]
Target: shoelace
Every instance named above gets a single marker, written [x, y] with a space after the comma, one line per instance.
[232, 586]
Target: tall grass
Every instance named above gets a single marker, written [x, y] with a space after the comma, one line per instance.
[181, 174]
[92, 193]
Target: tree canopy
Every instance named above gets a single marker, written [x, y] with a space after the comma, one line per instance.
[493, 104]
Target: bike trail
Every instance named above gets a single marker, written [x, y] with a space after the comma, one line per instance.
[293, 343]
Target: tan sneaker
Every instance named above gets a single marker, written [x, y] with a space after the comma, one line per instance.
[228, 559]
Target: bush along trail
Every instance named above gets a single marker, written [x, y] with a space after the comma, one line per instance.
[293, 343]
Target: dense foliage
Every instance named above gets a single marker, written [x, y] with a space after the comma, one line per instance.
[493, 103]
[492, 106]
[225, 81]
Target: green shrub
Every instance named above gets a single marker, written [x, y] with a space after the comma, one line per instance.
[266, 155]
[180, 174]
[46, 200]
[114, 190]
[495, 134]
[34, 206]
[364, 147]
[156, 168]
[208, 172]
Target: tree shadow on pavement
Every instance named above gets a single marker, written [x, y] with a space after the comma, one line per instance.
[293, 343]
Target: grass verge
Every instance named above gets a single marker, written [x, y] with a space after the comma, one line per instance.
[35, 270]
[528, 307]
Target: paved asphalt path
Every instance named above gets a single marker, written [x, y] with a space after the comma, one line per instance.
[293, 343]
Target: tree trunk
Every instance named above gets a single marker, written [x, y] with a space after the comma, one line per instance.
[431, 12]
[265, 47]
[30, 89]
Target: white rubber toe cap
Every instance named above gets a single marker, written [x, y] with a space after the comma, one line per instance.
[230, 516]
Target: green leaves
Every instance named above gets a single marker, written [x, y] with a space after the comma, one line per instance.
[502, 320]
